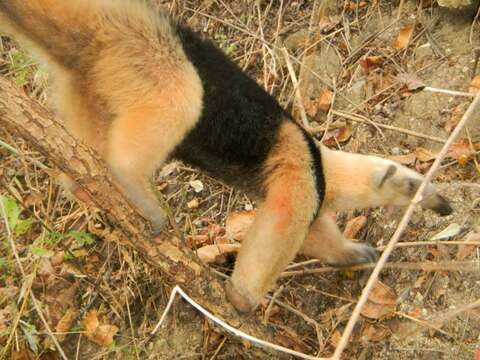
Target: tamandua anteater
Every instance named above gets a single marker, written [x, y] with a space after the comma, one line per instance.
[139, 88]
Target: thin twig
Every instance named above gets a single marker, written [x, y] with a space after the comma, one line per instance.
[472, 109]
[276, 294]
[178, 290]
[465, 266]
[361, 119]
[473, 25]
[428, 243]
[296, 86]
[449, 92]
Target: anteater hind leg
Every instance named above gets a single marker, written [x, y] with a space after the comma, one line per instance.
[325, 242]
[281, 223]
[139, 141]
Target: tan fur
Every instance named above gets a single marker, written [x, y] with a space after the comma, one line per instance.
[281, 223]
[355, 181]
[326, 243]
[130, 93]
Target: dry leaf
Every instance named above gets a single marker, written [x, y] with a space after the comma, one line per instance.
[370, 62]
[210, 253]
[67, 297]
[99, 334]
[461, 152]
[335, 339]
[311, 107]
[197, 185]
[238, 223]
[404, 37]
[450, 231]
[377, 311]
[382, 294]
[337, 135]
[5, 318]
[381, 302]
[465, 251]
[328, 23]
[8, 292]
[63, 327]
[474, 85]
[411, 81]
[168, 169]
[290, 342]
[23, 355]
[407, 159]
[33, 199]
[65, 324]
[325, 100]
[355, 5]
[354, 226]
[193, 204]
[424, 155]
[372, 333]
[455, 118]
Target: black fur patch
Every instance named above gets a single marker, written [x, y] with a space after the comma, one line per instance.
[390, 172]
[316, 167]
[239, 123]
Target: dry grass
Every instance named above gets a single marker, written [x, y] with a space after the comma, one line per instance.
[48, 269]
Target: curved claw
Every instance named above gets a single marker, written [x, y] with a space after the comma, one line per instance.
[357, 253]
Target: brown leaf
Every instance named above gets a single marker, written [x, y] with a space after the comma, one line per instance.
[474, 85]
[382, 294]
[381, 302]
[193, 204]
[335, 339]
[67, 296]
[461, 152]
[372, 333]
[22, 355]
[337, 135]
[8, 292]
[354, 226]
[238, 223]
[465, 251]
[291, 342]
[424, 155]
[325, 100]
[33, 199]
[210, 253]
[407, 159]
[377, 311]
[63, 327]
[65, 324]
[99, 334]
[5, 317]
[411, 81]
[328, 23]
[354, 5]
[404, 37]
[311, 107]
[370, 62]
[455, 118]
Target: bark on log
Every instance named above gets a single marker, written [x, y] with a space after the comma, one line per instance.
[27, 119]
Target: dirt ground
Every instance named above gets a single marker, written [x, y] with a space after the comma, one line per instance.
[362, 84]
